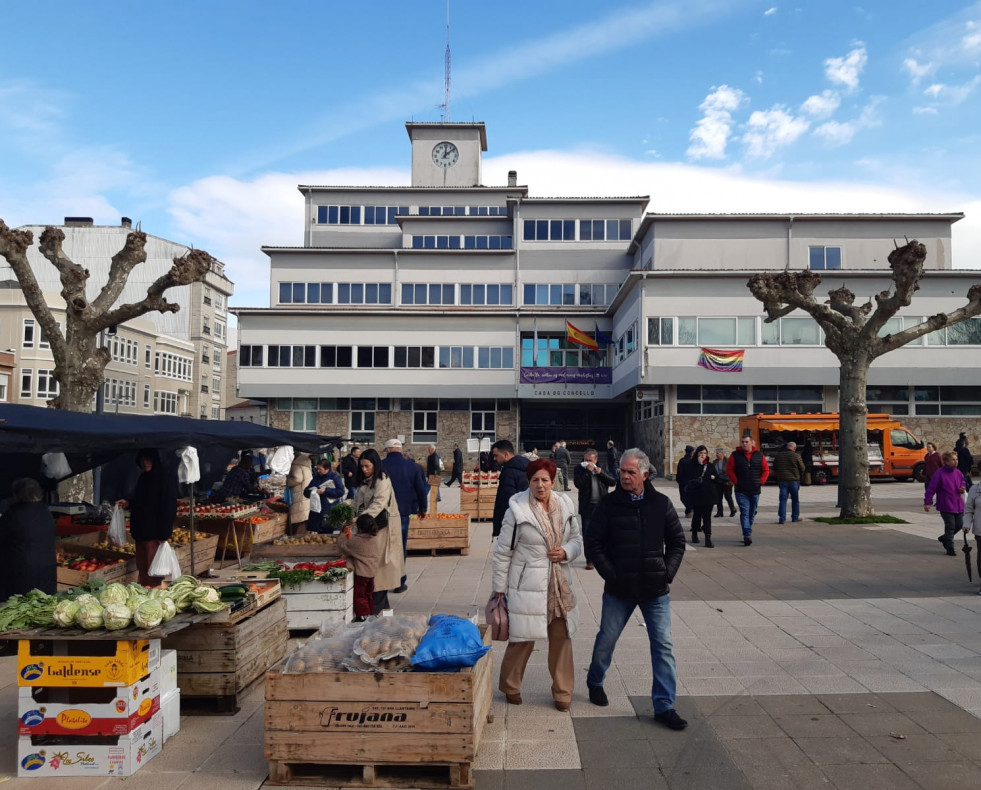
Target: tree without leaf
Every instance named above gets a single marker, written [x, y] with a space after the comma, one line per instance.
[79, 361]
[851, 332]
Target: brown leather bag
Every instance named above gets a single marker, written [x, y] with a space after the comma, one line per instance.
[496, 613]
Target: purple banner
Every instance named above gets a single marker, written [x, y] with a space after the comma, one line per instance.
[566, 375]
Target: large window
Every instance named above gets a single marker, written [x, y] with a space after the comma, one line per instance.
[712, 332]
[363, 426]
[489, 294]
[251, 356]
[425, 418]
[712, 399]
[26, 382]
[887, 400]
[793, 331]
[583, 294]
[336, 356]
[625, 344]
[306, 293]
[589, 230]
[555, 351]
[820, 258]
[965, 333]
[47, 387]
[364, 293]
[415, 356]
[292, 356]
[164, 402]
[947, 401]
[303, 413]
[467, 242]
[28, 333]
[172, 366]
[786, 399]
[428, 293]
[660, 331]
[482, 418]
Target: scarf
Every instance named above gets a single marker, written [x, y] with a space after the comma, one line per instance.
[560, 597]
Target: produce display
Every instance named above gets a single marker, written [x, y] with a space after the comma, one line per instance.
[96, 605]
[340, 515]
[216, 511]
[381, 644]
[293, 575]
[127, 548]
[181, 536]
[304, 540]
[441, 516]
[83, 563]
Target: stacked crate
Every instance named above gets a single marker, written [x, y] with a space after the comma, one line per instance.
[477, 494]
[87, 707]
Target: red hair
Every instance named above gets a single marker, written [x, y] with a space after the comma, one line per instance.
[539, 464]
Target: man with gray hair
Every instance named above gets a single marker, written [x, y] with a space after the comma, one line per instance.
[636, 543]
[789, 469]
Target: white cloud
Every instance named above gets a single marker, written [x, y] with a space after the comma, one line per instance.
[712, 131]
[758, 77]
[770, 129]
[823, 105]
[836, 133]
[846, 70]
[952, 95]
[770, 11]
[925, 111]
[972, 41]
[934, 90]
[917, 71]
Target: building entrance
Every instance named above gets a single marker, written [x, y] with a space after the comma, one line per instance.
[580, 426]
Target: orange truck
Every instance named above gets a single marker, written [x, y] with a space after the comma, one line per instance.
[893, 449]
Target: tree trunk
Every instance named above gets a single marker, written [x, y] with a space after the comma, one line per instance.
[854, 488]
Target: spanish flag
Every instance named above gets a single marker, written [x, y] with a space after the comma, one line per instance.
[722, 361]
[579, 337]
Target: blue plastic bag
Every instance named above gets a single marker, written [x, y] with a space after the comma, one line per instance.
[450, 643]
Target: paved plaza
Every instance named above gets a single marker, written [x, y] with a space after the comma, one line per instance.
[819, 657]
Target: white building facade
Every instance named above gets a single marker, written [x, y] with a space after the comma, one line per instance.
[439, 312]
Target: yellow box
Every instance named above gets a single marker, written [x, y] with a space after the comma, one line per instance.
[85, 662]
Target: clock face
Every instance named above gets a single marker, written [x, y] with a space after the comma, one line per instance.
[445, 154]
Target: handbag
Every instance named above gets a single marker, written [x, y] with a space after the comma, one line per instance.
[496, 614]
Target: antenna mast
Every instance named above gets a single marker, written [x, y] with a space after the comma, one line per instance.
[446, 70]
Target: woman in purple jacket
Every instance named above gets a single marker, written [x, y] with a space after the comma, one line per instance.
[948, 485]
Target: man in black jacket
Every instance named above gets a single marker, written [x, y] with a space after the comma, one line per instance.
[457, 473]
[512, 480]
[636, 542]
[351, 471]
[593, 484]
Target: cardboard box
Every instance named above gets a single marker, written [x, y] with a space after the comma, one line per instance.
[85, 662]
[78, 710]
[170, 708]
[111, 755]
[168, 671]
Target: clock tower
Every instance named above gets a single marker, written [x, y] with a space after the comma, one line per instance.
[446, 154]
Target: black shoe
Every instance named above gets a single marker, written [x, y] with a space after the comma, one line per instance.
[951, 552]
[719, 514]
[671, 720]
[708, 543]
[694, 536]
[688, 512]
[401, 588]
[941, 538]
[747, 541]
[732, 513]
[597, 696]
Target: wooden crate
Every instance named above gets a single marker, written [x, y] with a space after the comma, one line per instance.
[432, 534]
[270, 529]
[204, 553]
[306, 551]
[310, 604]
[380, 729]
[124, 572]
[217, 661]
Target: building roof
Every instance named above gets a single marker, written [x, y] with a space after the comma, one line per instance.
[478, 125]
[406, 188]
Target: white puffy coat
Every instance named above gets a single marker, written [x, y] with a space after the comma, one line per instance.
[523, 572]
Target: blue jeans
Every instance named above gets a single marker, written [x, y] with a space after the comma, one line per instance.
[789, 488]
[657, 617]
[747, 511]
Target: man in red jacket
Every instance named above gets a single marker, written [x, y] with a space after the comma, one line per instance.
[748, 471]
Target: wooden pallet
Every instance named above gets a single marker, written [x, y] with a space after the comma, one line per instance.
[370, 775]
[433, 534]
[312, 603]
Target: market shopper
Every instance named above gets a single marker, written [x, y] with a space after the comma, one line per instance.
[684, 472]
[297, 482]
[964, 458]
[789, 470]
[351, 471]
[376, 498]
[328, 487]
[363, 551]
[932, 461]
[723, 484]
[948, 486]
[411, 492]
[539, 539]
[27, 542]
[240, 481]
[701, 495]
[592, 484]
[512, 480]
[457, 471]
[748, 471]
[972, 521]
[152, 510]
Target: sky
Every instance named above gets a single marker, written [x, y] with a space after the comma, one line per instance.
[198, 118]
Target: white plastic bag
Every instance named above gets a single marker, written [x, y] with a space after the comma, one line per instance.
[439, 462]
[55, 466]
[117, 526]
[281, 459]
[314, 501]
[190, 469]
[165, 564]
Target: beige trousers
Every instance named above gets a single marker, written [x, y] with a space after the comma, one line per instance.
[560, 664]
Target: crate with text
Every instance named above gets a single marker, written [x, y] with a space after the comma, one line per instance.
[85, 662]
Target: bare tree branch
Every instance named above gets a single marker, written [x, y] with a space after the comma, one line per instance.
[131, 255]
[907, 267]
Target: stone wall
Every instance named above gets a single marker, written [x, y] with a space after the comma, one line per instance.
[943, 431]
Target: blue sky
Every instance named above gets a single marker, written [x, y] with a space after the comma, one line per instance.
[199, 118]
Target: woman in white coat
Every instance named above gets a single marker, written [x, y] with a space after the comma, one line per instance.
[372, 497]
[540, 537]
[972, 521]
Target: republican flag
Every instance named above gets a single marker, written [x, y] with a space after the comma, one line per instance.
[602, 338]
[722, 361]
[579, 337]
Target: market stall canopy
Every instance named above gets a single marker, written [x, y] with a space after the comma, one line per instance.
[90, 440]
[796, 424]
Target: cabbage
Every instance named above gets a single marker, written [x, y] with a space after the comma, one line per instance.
[114, 593]
[135, 600]
[148, 614]
[64, 614]
[85, 598]
[89, 615]
[116, 616]
[169, 608]
[206, 594]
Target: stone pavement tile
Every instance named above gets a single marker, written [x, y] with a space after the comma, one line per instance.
[626, 728]
[201, 780]
[950, 720]
[540, 728]
[945, 776]
[768, 777]
[704, 669]
[967, 744]
[858, 703]
[743, 726]
[811, 725]
[619, 706]
[939, 681]
[881, 722]
[761, 666]
[780, 654]
[914, 748]
[837, 684]
[489, 780]
[530, 755]
[970, 699]
[624, 779]
[840, 751]
[792, 705]
[246, 760]
[885, 681]
[490, 756]
[712, 686]
[771, 685]
[812, 667]
[728, 706]
[916, 701]
[617, 754]
[774, 753]
[869, 777]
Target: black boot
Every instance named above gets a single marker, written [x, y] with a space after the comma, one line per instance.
[694, 536]
[708, 541]
[718, 514]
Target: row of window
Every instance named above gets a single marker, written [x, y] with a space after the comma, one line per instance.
[118, 392]
[577, 230]
[387, 215]
[462, 293]
[219, 299]
[625, 344]
[425, 415]
[206, 357]
[462, 242]
[124, 350]
[802, 330]
[164, 402]
[219, 327]
[42, 386]
[278, 356]
[570, 294]
[324, 293]
[31, 331]
[555, 351]
[172, 366]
